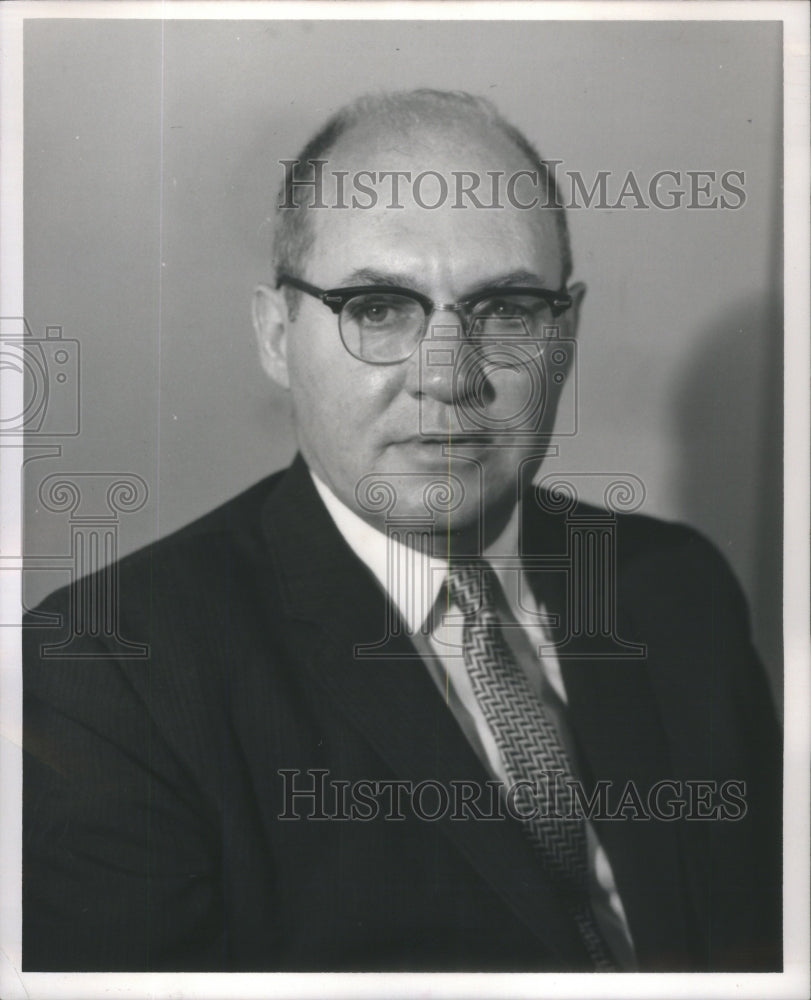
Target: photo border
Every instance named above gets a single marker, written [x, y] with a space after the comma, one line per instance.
[794, 981]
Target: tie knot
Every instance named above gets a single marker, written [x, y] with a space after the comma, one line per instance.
[471, 587]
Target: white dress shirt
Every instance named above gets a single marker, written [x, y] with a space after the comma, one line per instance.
[414, 582]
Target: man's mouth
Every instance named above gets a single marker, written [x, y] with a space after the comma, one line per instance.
[447, 439]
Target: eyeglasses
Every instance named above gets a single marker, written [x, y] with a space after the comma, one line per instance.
[384, 324]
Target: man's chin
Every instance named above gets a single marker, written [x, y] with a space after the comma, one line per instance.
[461, 502]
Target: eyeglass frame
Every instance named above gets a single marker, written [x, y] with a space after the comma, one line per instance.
[336, 298]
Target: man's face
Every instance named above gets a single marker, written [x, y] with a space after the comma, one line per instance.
[397, 423]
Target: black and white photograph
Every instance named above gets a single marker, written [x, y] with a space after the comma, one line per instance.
[405, 499]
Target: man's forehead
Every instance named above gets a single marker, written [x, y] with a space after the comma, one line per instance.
[434, 141]
[410, 191]
[401, 233]
[450, 261]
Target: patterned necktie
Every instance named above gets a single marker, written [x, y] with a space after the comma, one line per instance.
[529, 745]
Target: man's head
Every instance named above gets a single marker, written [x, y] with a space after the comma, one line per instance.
[445, 412]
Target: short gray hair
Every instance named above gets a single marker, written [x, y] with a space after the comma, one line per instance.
[294, 232]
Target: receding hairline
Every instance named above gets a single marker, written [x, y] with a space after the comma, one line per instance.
[471, 144]
[416, 111]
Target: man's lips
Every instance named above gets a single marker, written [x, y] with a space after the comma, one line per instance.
[445, 439]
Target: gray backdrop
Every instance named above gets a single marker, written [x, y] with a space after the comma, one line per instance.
[150, 173]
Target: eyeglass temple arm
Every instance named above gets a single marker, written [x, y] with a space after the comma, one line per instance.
[302, 286]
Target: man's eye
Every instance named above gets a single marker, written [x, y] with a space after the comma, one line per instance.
[375, 312]
[502, 309]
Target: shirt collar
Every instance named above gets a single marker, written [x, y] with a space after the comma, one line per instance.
[412, 579]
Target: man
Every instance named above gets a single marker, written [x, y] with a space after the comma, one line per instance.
[400, 709]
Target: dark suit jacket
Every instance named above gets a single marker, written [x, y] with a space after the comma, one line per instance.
[152, 786]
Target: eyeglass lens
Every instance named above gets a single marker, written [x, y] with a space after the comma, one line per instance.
[386, 327]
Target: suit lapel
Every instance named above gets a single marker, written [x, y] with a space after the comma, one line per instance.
[335, 606]
[620, 738]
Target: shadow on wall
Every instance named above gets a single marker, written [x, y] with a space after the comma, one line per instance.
[729, 431]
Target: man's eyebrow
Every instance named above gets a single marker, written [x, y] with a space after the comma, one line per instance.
[370, 276]
[521, 277]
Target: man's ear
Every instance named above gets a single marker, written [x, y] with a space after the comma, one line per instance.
[568, 331]
[270, 320]
[571, 317]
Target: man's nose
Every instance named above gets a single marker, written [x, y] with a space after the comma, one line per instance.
[436, 368]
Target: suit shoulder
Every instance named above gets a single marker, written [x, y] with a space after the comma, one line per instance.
[643, 538]
[639, 536]
[193, 556]
[237, 514]
[673, 566]
[650, 555]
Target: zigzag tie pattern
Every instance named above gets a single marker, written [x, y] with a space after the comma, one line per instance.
[529, 745]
